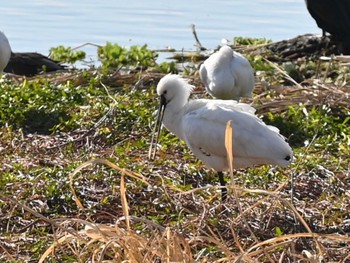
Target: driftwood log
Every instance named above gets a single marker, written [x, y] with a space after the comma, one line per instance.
[302, 46]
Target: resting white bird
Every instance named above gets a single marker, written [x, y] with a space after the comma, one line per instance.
[202, 123]
[227, 75]
[5, 52]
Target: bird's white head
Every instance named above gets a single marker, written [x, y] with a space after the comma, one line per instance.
[174, 92]
[174, 88]
[226, 51]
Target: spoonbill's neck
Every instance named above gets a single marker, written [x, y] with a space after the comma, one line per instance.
[173, 114]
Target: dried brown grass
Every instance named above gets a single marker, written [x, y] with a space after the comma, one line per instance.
[120, 242]
[134, 239]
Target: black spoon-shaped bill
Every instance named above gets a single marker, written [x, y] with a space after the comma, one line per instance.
[157, 129]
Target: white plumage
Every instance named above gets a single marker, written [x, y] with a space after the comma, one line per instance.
[5, 51]
[202, 123]
[226, 75]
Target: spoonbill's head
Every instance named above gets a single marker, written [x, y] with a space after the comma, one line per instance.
[173, 88]
[174, 92]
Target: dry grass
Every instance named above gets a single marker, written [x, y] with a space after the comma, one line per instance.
[137, 239]
[119, 242]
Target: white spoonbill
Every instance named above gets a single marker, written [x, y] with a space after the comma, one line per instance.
[5, 51]
[201, 124]
[227, 75]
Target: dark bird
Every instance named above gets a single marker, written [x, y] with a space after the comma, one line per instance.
[333, 17]
[24, 63]
[31, 64]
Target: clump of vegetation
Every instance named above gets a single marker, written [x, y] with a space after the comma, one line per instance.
[250, 41]
[326, 124]
[114, 56]
[66, 54]
[167, 67]
[76, 183]
[40, 106]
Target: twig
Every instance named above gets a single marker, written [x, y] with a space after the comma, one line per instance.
[284, 73]
[87, 44]
[199, 45]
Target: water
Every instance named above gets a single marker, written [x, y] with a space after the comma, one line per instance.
[37, 25]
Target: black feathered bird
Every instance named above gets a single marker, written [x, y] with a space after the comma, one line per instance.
[31, 64]
[24, 63]
[333, 17]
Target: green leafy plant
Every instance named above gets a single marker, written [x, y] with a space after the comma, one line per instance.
[250, 41]
[142, 56]
[66, 54]
[330, 126]
[39, 106]
[278, 231]
[114, 56]
[259, 64]
[167, 67]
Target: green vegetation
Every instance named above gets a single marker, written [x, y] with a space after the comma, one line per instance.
[66, 54]
[74, 152]
[113, 56]
[250, 41]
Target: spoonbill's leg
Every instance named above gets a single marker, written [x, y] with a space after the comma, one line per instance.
[222, 183]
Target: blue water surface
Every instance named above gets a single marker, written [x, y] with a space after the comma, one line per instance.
[37, 25]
